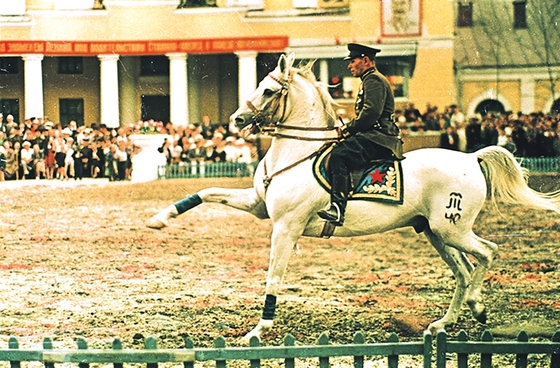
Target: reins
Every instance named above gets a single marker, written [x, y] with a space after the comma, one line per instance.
[267, 125]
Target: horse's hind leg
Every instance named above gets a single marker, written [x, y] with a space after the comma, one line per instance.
[469, 278]
[242, 199]
[462, 272]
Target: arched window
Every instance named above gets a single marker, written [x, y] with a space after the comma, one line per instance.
[490, 106]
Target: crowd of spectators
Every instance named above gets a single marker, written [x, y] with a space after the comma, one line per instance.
[41, 149]
[197, 145]
[525, 135]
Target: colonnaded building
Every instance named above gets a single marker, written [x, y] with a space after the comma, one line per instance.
[118, 61]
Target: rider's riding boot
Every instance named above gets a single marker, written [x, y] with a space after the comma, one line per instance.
[339, 196]
[159, 221]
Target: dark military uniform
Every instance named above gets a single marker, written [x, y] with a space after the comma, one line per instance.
[372, 135]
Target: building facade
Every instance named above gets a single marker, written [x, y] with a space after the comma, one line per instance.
[119, 61]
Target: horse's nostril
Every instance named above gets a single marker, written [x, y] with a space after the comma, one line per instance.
[239, 120]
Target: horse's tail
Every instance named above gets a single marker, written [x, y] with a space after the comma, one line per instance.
[507, 180]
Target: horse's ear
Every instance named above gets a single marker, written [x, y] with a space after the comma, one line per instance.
[282, 63]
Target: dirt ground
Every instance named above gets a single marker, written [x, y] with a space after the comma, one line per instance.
[77, 260]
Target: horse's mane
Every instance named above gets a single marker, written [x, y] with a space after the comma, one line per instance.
[306, 71]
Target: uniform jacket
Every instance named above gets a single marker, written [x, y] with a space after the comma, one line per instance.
[375, 107]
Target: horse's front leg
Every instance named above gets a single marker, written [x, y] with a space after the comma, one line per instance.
[282, 244]
[243, 199]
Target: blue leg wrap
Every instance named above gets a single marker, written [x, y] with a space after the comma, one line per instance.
[186, 204]
[269, 307]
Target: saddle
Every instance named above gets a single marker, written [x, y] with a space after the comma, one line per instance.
[381, 181]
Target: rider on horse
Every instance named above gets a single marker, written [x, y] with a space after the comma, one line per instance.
[371, 135]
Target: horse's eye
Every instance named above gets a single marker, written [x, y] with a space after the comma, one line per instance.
[268, 92]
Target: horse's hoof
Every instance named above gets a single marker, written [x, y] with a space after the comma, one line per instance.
[481, 317]
[156, 224]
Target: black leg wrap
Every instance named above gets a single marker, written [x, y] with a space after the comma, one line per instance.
[186, 204]
[269, 307]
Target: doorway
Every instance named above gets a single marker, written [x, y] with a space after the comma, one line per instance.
[155, 107]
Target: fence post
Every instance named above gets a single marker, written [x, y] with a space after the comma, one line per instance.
[14, 344]
[323, 340]
[117, 345]
[359, 360]
[220, 343]
[47, 345]
[393, 360]
[521, 359]
[427, 349]
[555, 357]
[441, 348]
[82, 344]
[189, 344]
[254, 343]
[486, 358]
[151, 344]
[462, 358]
[289, 340]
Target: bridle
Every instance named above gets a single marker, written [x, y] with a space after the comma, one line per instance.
[263, 120]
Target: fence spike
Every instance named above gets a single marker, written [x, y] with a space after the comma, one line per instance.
[13, 343]
[254, 342]
[359, 338]
[289, 340]
[393, 337]
[81, 343]
[323, 339]
[522, 336]
[486, 336]
[117, 344]
[556, 336]
[189, 343]
[150, 343]
[220, 342]
[463, 336]
[47, 343]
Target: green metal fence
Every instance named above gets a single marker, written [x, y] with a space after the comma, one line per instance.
[234, 169]
[323, 352]
[540, 164]
[213, 170]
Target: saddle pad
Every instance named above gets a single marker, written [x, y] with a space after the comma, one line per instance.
[382, 181]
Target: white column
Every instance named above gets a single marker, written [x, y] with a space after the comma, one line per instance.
[109, 90]
[324, 71]
[178, 85]
[527, 95]
[247, 74]
[33, 86]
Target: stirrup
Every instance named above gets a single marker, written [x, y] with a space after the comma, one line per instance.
[333, 214]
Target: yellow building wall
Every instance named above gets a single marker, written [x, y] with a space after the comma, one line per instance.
[57, 86]
[542, 94]
[510, 90]
[433, 80]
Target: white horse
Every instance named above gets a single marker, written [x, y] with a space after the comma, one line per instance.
[444, 190]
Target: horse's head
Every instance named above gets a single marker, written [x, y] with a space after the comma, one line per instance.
[284, 94]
